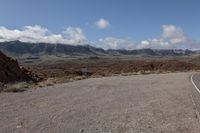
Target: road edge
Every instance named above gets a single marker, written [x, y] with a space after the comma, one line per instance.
[197, 89]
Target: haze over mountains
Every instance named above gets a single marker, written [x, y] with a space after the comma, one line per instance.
[17, 48]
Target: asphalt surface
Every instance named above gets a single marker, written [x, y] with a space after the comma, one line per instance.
[196, 80]
[157, 103]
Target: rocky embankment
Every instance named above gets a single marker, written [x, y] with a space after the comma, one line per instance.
[10, 71]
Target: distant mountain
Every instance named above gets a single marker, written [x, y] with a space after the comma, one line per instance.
[149, 52]
[17, 49]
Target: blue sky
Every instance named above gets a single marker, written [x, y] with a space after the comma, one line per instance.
[129, 21]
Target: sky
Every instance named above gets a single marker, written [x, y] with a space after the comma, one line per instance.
[115, 24]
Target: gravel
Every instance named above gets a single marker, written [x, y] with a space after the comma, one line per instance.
[156, 103]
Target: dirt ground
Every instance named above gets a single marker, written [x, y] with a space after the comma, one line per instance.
[156, 103]
[100, 67]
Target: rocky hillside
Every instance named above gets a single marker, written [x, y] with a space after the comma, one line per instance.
[10, 70]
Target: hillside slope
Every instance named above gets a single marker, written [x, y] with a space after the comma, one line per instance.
[10, 70]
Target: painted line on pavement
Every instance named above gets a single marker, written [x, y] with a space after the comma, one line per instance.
[194, 84]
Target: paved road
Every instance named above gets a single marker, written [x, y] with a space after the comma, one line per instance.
[133, 104]
[196, 81]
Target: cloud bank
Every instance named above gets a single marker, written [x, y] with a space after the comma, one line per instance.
[36, 34]
[115, 43]
[102, 23]
[172, 37]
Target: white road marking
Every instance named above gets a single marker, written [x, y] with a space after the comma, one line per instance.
[194, 84]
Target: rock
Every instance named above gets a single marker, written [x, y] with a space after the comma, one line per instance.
[10, 70]
[81, 130]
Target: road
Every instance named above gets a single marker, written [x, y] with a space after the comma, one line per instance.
[195, 79]
[156, 103]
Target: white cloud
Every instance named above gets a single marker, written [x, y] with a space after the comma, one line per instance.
[173, 34]
[102, 23]
[115, 43]
[35, 34]
[172, 37]
[74, 35]
[143, 44]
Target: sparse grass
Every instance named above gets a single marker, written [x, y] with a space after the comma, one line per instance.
[50, 84]
[146, 72]
[17, 87]
[15, 90]
[79, 78]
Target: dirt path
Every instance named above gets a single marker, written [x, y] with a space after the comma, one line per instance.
[132, 104]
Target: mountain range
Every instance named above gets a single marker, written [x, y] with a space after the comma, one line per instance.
[17, 49]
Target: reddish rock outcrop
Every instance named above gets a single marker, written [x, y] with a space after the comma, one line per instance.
[10, 70]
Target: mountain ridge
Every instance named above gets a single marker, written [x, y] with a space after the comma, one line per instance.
[17, 48]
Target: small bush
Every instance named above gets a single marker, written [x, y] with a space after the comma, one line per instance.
[15, 90]
[16, 87]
